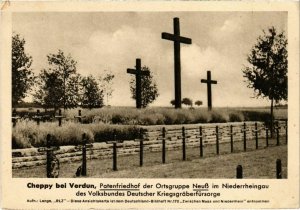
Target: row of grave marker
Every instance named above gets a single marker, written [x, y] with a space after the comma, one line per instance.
[52, 164]
[38, 117]
[239, 170]
[217, 134]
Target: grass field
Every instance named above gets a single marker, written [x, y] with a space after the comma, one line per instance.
[256, 164]
[165, 115]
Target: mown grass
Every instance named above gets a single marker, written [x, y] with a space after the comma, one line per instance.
[256, 164]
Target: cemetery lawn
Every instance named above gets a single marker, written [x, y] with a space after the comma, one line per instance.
[257, 164]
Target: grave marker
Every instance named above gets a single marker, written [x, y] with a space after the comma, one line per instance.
[52, 165]
[163, 139]
[164, 146]
[114, 142]
[59, 117]
[267, 136]
[256, 131]
[286, 130]
[79, 117]
[239, 172]
[217, 140]
[277, 127]
[37, 117]
[201, 140]
[278, 169]
[218, 133]
[183, 138]
[231, 138]
[14, 117]
[83, 147]
[138, 81]
[177, 39]
[244, 130]
[256, 135]
[183, 144]
[141, 140]
[209, 82]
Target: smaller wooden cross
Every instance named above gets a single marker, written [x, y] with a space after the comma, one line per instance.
[79, 117]
[277, 128]
[83, 147]
[114, 142]
[267, 135]
[52, 166]
[201, 136]
[59, 117]
[37, 117]
[239, 172]
[231, 134]
[163, 139]
[244, 131]
[218, 134]
[208, 81]
[14, 118]
[256, 131]
[183, 137]
[138, 81]
[278, 169]
[141, 139]
[286, 130]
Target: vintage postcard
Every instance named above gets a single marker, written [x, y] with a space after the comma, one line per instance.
[149, 105]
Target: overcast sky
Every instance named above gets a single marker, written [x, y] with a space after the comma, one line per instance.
[113, 40]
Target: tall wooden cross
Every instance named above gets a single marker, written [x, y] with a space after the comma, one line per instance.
[177, 39]
[138, 81]
[208, 81]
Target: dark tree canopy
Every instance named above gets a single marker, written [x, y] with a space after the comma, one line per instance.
[49, 94]
[187, 101]
[149, 88]
[267, 73]
[59, 84]
[172, 102]
[22, 76]
[92, 96]
[198, 103]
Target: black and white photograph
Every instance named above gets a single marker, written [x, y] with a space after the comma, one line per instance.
[119, 94]
[165, 95]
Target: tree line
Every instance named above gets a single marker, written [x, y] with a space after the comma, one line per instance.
[187, 102]
[61, 86]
